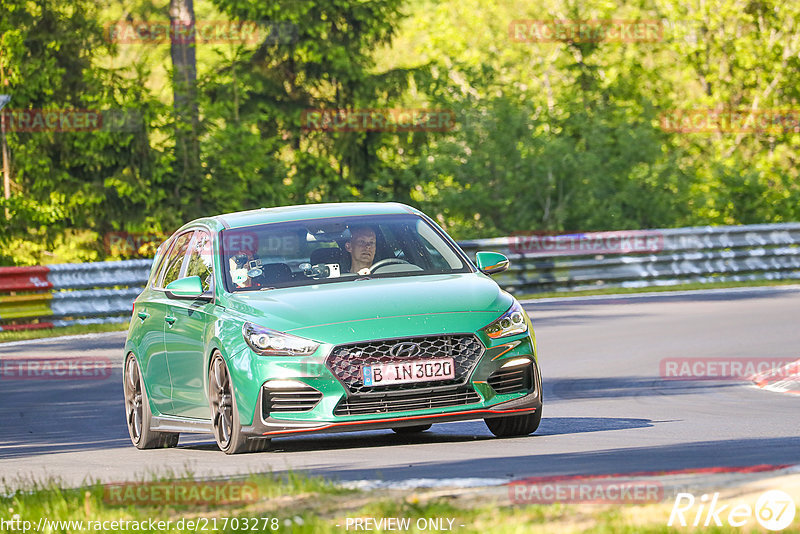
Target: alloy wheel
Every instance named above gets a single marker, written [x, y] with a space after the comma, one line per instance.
[133, 399]
[221, 402]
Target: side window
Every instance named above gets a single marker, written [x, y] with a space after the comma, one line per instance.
[200, 262]
[393, 247]
[175, 259]
[441, 256]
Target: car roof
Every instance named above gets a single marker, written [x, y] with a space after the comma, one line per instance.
[306, 211]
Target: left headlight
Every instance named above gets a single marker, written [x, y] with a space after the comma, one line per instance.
[510, 323]
[269, 342]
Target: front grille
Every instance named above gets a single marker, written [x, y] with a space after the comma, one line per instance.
[512, 379]
[409, 400]
[345, 361]
[301, 398]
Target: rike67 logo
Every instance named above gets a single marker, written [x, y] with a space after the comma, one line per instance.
[774, 510]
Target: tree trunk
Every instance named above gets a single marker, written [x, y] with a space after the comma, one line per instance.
[184, 80]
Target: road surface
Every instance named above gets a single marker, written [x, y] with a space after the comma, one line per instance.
[607, 409]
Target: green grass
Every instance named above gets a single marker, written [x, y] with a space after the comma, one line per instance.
[660, 289]
[302, 504]
[92, 503]
[74, 330]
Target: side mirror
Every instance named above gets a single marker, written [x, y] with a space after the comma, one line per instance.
[190, 287]
[491, 262]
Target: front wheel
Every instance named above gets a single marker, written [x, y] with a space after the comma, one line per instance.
[224, 413]
[514, 425]
[137, 411]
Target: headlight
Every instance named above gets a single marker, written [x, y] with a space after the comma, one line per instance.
[273, 343]
[510, 323]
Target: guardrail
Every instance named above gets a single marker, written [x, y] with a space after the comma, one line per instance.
[72, 293]
[61, 295]
[572, 262]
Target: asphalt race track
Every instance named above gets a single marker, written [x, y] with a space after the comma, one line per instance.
[607, 410]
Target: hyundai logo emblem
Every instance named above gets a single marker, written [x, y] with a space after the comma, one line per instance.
[404, 350]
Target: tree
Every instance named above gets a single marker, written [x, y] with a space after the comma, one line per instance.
[316, 54]
[71, 179]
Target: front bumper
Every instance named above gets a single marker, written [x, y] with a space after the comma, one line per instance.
[276, 428]
[481, 396]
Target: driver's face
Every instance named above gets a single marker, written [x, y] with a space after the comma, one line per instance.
[362, 247]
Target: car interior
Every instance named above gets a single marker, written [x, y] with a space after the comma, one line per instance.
[318, 253]
[329, 251]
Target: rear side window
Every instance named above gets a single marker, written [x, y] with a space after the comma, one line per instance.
[175, 259]
[158, 263]
[200, 262]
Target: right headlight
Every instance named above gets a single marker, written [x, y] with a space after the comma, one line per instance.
[510, 323]
[268, 342]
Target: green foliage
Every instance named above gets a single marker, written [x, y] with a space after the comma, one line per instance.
[548, 135]
[321, 58]
[65, 180]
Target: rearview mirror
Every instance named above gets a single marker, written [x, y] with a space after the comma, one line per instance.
[491, 262]
[190, 287]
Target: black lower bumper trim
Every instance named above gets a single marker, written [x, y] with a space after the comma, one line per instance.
[277, 428]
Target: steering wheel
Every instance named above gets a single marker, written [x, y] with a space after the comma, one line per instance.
[385, 262]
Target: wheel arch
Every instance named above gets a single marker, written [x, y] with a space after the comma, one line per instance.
[237, 370]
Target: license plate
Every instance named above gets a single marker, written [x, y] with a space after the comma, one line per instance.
[406, 372]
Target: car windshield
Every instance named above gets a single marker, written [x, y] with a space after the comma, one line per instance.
[334, 250]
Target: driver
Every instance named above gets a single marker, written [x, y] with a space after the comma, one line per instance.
[361, 247]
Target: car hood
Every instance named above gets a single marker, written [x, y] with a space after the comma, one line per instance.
[377, 308]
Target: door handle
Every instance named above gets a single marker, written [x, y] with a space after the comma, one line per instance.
[170, 319]
[143, 315]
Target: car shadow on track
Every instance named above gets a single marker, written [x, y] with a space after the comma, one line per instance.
[438, 434]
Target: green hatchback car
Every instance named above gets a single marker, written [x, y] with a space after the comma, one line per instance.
[324, 318]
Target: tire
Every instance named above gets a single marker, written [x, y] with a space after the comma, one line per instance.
[137, 411]
[411, 429]
[515, 425]
[225, 413]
